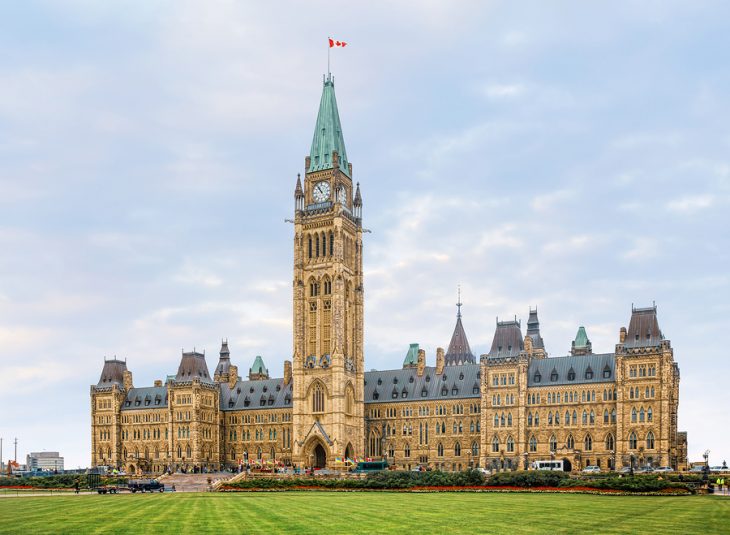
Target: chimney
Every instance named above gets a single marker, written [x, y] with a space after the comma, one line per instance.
[287, 372]
[528, 344]
[439, 360]
[421, 362]
[232, 376]
[622, 335]
[158, 382]
[128, 380]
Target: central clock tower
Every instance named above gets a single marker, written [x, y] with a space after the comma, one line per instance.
[328, 368]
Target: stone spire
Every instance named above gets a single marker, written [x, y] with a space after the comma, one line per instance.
[459, 351]
[299, 194]
[328, 134]
[357, 203]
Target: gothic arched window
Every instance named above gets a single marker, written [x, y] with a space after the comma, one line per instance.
[318, 398]
[533, 443]
[632, 441]
[588, 443]
[650, 441]
[609, 442]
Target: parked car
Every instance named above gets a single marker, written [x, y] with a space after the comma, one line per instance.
[592, 470]
[718, 469]
[146, 485]
[625, 470]
[644, 470]
[697, 469]
[664, 469]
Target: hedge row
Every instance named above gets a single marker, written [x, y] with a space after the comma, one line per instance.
[470, 478]
[44, 482]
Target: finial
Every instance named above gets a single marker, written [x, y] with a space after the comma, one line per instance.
[458, 302]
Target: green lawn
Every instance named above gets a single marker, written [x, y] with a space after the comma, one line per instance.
[362, 512]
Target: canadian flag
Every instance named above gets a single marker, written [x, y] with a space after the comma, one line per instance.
[335, 42]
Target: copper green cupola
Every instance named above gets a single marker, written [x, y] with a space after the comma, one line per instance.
[328, 134]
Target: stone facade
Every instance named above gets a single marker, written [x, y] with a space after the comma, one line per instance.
[513, 406]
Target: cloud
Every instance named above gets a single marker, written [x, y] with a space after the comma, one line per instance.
[501, 91]
[690, 204]
[641, 249]
[548, 201]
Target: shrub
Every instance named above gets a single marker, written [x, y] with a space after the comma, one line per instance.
[536, 478]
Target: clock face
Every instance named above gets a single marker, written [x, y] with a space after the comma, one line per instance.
[321, 191]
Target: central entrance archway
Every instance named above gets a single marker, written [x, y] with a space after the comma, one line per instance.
[320, 457]
[567, 466]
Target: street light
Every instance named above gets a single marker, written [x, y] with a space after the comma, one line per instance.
[706, 471]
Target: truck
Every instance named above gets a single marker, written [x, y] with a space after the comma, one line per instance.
[146, 485]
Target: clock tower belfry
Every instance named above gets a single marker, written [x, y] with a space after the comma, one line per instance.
[328, 368]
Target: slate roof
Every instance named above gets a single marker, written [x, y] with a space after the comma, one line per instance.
[459, 351]
[112, 373]
[193, 366]
[148, 397]
[328, 133]
[507, 341]
[579, 364]
[643, 328]
[389, 385]
[251, 395]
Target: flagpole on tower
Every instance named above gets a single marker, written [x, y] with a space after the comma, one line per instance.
[328, 56]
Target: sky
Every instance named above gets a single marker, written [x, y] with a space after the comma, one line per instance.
[569, 156]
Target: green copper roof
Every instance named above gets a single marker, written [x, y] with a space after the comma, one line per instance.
[581, 339]
[412, 356]
[328, 133]
[258, 365]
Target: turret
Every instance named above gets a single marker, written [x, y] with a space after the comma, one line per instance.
[224, 364]
[581, 345]
[357, 203]
[411, 360]
[299, 195]
[440, 361]
[459, 351]
[258, 371]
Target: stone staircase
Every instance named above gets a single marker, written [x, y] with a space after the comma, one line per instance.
[193, 482]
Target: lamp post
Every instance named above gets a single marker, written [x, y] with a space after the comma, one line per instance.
[706, 471]
[631, 467]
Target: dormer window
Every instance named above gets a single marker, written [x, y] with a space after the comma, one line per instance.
[428, 378]
[395, 380]
[376, 395]
[424, 393]
[444, 391]
[537, 377]
[589, 373]
[380, 381]
[554, 376]
[607, 372]
[410, 379]
[461, 376]
[571, 374]
[454, 391]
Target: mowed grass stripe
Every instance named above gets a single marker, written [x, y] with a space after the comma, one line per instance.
[362, 512]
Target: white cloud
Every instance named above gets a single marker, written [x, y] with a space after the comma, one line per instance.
[641, 249]
[501, 91]
[690, 204]
[548, 201]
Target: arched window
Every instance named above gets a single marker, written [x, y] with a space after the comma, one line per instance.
[633, 415]
[309, 239]
[179, 452]
[557, 418]
[585, 417]
[318, 398]
[649, 415]
[588, 443]
[332, 243]
[188, 452]
[457, 449]
[510, 444]
[575, 418]
[642, 415]
[570, 443]
[509, 419]
[407, 450]
[375, 444]
[496, 420]
[533, 443]
[605, 416]
[613, 416]
[324, 244]
[474, 449]
[349, 401]
[632, 441]
[316, 243]
[609, 442]
[567, 418]
[502, 420]
[550, 418]
[593, 417]
[650, 441]
[553, 443]
[529, 418]
[495, 444]
[440, 450]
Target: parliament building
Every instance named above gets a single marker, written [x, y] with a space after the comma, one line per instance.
[504, 410]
